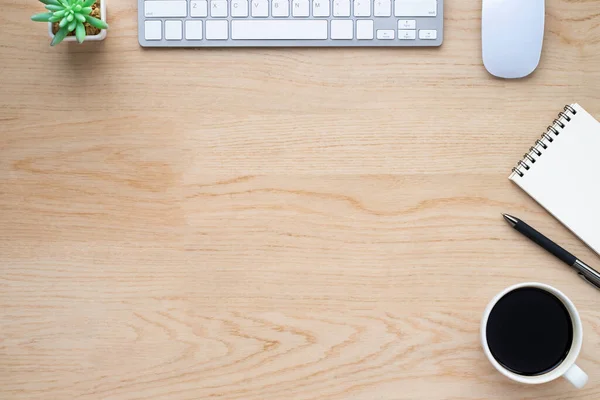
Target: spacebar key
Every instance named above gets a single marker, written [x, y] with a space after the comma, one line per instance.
[278, 30]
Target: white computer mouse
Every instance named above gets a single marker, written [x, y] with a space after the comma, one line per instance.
[512, 32]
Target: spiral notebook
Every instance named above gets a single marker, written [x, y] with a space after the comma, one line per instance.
[562, 173]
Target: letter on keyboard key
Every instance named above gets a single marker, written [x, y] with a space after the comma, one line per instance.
[165, 9]
[300, 8]
[260, 8]
[364, 29]
[280, 8]
[279, 29]
[199, 8]
[382, 8]
[153, 30]
[218, 8]
[342, 29]
[321, 8]
[415, 8]
[341, 8]
[362, 8]
[217, 30]
[239, 8]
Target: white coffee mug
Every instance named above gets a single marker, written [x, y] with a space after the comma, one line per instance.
[567, 368]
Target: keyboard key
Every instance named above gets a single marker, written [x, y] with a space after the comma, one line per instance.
[280, 8]
[428, 34]
[218, 8]
[382, 8]
[279, 29]
[199, 8]
[300, 8]
[362, 8]
[193, 30]
[341, 8]
[385, 34]
[217, 30]
[260, 8]
[404, 34]
[173, 30]
[239, 8]
[407, 24]
[342, 29]
[415, 8]
[321, 8]
[153, 30]
[364, 29]
[165, 9]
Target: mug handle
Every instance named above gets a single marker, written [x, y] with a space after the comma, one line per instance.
[576, 376]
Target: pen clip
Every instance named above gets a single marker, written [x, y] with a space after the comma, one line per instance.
[588, 281]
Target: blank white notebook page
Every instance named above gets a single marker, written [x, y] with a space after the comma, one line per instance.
[565, 177]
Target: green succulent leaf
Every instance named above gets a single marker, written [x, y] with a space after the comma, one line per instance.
[59, 37]
[80, 32]
[98, 23]
[71, 15]
[54, 7]
[44, 17]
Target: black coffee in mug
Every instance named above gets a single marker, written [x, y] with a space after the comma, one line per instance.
[529, 331]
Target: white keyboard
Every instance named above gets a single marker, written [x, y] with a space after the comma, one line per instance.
[285, 23]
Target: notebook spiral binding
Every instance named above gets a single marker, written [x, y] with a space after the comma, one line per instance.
[536, 151]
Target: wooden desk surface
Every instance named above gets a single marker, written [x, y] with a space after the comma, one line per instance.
[300, 224]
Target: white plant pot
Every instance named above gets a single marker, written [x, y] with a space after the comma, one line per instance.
[98, 37]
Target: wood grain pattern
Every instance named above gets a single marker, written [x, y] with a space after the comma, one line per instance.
[256, 224]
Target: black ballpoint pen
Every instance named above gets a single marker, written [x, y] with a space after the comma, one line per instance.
[589, 274]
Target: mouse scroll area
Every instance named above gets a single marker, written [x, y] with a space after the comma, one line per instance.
[512, 33]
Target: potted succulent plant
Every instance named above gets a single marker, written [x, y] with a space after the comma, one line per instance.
[74, 20]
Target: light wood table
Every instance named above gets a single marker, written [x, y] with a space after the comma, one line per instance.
[299, 224]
